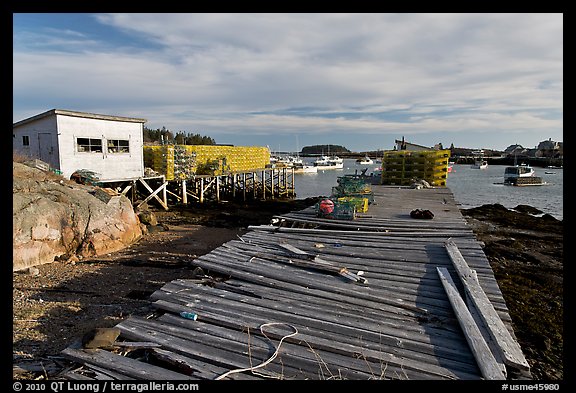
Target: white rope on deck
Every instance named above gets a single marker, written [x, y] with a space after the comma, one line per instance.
[240, 370]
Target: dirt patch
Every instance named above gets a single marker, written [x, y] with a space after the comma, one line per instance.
[59, 302]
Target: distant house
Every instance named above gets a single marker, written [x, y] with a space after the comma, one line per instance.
[110, 146]
[550, 149]
[516, 150]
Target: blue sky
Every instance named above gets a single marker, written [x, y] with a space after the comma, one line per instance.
[292, 80]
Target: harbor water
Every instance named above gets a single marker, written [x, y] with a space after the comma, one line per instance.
[471, 187]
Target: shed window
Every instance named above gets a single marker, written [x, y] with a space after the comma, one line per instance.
[25, 140]
[118, 146]
[89, 145]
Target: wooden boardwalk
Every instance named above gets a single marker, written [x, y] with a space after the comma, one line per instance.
[304, 322]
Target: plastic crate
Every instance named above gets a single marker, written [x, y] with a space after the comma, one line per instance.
[360, 203]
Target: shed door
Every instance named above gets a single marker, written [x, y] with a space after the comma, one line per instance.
[45, 147]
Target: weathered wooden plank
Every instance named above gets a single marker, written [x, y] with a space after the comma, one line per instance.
[285, 276]
[334, 331]
[403, 267]
[201, 369]
[336, 311]
[354, 321]
[123, 365]
[355, 227]
[289, 354]
[224, 353]
[103, 373]
[486, 361]
[231, 356]
[509, 347]
[284, 273]
[331, 345]
[336, 304]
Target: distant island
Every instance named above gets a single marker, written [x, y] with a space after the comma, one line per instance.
[324, 149]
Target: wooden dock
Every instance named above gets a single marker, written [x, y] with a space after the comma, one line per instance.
[428, 306]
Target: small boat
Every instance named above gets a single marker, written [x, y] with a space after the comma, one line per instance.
[336, 160]
[324, 163]
[521, 175]
[480, 164]
[321, 166]
[364, 161]
[304, 168]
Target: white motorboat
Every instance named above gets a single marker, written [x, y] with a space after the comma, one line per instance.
[336, 160]
[480, 164]
[323, 163]
[364, 161]
[305, 168]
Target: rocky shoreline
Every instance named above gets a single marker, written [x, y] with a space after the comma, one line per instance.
[61, 301]
[525, 250]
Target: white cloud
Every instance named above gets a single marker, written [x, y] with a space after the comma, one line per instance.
[503, 72]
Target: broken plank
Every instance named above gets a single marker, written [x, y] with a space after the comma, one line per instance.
[201, 369]
[486, 361]
[507, 345]
[136, 344]
[123, 365]
[75, 376]
[223, 353]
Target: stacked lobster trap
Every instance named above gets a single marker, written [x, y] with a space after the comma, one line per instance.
[403, 167]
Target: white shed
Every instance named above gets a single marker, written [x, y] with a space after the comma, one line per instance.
[111, 146]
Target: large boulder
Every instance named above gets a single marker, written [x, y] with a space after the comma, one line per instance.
[54, 218]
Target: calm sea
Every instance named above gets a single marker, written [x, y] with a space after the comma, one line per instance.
[471, 187]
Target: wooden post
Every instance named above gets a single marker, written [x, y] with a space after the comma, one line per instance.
[264, 184]
[244, 185]
[291, 183]
[201, 190]
[217, 188]
[184, 195]
[164, 193]
[272, 183]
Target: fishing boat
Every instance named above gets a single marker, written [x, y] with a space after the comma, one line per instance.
[521, 175]
[479, 161]
[336, 159]
[364, 161]
[324, 162]
[480, 164]
[305, 168]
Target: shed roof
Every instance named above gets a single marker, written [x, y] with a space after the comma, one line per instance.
[413, 144]
[78, 114]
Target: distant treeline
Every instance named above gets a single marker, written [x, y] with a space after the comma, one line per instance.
[324, 149]
[166, 136]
